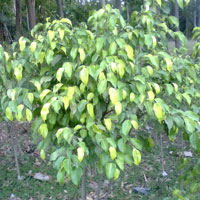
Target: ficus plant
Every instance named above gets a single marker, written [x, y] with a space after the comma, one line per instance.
[89, 90]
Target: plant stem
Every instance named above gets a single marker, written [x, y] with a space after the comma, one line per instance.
[182, 151]
[83, 185]
[162, 156]
[10, 130]
[98, 189]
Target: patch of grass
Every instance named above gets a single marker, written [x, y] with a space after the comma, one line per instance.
[148, 175]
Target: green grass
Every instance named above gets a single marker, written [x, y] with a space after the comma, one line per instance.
[122, 189]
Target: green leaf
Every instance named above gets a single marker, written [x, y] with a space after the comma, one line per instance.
[102, 85]
[137, 143]
[42, 154]
[43, 130]
[18, 72]
[180, 3]
[67, 166]
[44, 93]
[82, 54]
[29, 115]
[108, 123]
[33, 46]
[59, 74]
[158, 112]
[121, 145]
[68, 67]
[70, 92]
[151, 95]
[56, 106]
[148, 40]
[157, 88]
[169, 64]
[129, 51]
[18, 115]
[113, 153]
[99, 44]
[159, 2]
[140, 78]
[61, 176]
[84, 75]
[49, 56]
[191, 115]
[30, 97]
[76, 176]
[134, 124]
[136, 156]
[170, 89]
[118, 108]
[81, 106]
[187, 97]
[51, 35]
[66, 20]
[110, 170]
[111, 141]
[90, 110]
[195, 141]
[22, 44]
[120, 163]
[61, 33]
[126, 127]
[190, 124]
[117, 173]
[66, 133]
[73, 52]
[112, 48]
[113, 95]
[45, 111]
[173, 20]
[65, 100]
[121, 70]
[9, 113]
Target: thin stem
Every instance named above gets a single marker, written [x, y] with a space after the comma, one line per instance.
[98, 189]
[83, 185]
[162, 156]
[182, 151]
[10, 130]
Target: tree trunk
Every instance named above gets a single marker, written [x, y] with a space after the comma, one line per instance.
[103, 3]
[187, 23]
[1, 33]
[18, 18]
[83, 185]
[127, 10]
[195, 14]
[198, 12]
[31, 13]
[176, 13]
[60, 9]
[118, 4]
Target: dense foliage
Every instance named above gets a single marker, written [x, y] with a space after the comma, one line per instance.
[89, 90]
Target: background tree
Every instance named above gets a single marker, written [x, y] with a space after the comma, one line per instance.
[31, 13]
[18, 5]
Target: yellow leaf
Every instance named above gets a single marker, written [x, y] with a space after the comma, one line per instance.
[118, 108]
[108, 123]
[113, 153]
[151, 95]
[134, 124]
[80, 153]
[113, 95]
[84, 75]
[129, 51]
[65, 100]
